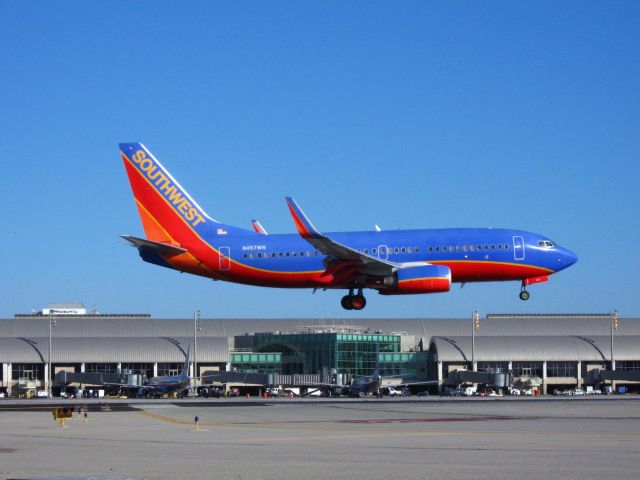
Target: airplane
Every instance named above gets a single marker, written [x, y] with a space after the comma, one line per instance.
[180, 235]
[158, 386]
[365, 385]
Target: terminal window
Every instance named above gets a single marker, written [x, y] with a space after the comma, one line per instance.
[31, 371]
[527, 369]
[562, 369]
[628, 366]
[101, 368]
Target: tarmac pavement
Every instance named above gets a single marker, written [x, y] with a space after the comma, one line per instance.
[568, 438]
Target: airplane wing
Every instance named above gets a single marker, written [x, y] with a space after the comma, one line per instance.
[161, 248]
[366, 263]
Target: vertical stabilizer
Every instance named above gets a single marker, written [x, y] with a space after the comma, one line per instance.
[168, 213]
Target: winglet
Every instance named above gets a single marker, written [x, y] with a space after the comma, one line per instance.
[257, 226]
[303, 224]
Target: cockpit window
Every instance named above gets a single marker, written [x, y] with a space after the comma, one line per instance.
[546, 244]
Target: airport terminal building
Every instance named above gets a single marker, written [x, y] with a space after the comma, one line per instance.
[559, 351]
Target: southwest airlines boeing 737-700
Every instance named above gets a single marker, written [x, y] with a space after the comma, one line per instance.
[180, 235]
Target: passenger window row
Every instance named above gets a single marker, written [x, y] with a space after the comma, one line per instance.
[468, 248]
[301, 253]
[390, 250]
[386, 250]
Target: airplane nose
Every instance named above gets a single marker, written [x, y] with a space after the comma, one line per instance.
[567, 258]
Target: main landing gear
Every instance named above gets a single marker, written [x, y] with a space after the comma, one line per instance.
[353, 302]
[524, 295]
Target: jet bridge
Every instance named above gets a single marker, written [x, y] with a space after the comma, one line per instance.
[98, 378]
[494, 379]
[595, 377]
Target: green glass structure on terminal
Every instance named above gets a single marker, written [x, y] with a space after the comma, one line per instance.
[405, 364]
[310, 353]
[257, 362]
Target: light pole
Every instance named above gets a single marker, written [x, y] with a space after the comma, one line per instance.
[475, 325]
[52, 324]
[197, 326]
[614, 326]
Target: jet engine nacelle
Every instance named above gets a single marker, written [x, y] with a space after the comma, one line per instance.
[423, 279]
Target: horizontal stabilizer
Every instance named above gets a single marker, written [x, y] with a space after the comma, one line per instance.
[161, 248]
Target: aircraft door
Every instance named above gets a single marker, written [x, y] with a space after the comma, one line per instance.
[225, 258]
[383, 252]
[518, 248]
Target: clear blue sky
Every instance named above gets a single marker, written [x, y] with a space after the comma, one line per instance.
[403, 114]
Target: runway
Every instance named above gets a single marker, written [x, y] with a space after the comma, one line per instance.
[248, 439]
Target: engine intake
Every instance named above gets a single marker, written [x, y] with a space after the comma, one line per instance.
[424, 279]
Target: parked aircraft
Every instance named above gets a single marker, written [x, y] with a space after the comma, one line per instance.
[158, 386]
[362, 386]
[182, 236]
[365, 385]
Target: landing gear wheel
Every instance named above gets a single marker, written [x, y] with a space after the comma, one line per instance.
[358, 302]
[353, 302]
[346, 302]
[524, 295]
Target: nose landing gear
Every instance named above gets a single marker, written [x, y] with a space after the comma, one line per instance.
[353, 302]
[524, 295]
